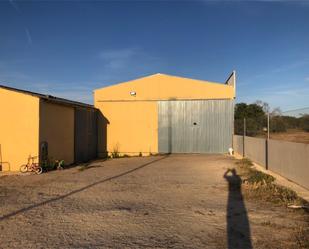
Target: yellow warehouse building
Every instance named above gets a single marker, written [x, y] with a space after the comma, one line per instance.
[165, 114]
[155, 114]
[28, 120]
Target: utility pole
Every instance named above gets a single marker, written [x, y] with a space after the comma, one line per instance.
[243, 140]
[268, 126]
[267, 141]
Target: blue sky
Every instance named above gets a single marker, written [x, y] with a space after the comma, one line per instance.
[70, 48]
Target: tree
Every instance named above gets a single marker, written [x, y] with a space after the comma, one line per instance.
[243, 110]
[277, 124]
[264, 105]
[240, 110]
[291, 122]
[255, 118]
[304, 122]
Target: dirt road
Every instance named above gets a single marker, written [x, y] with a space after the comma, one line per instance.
[176, 201]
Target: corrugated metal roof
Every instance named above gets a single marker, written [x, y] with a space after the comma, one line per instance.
[49, 98]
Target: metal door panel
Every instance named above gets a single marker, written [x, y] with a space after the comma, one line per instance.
[195, 126]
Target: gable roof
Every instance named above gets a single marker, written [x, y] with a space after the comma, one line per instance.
[158, 75]
[49, 98]
[163, 87]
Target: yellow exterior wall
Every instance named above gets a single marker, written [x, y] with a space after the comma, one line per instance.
[163, 87]
[132, 127]
[132, 121]
[57, 129]
[19, 128]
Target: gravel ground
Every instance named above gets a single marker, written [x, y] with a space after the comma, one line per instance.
[176, 201]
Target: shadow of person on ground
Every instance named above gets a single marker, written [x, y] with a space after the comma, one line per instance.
[238, 228]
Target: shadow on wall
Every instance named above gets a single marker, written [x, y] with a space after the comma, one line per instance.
[102, 135]
[238, 228]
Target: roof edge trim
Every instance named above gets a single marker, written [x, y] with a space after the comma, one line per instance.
[49, 98]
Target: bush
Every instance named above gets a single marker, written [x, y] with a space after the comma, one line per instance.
[239, 127]
[277, 124]
[262, 186]
[115, 154]
[254, 126]
[291, 122]
[304, 123]
[255, 119]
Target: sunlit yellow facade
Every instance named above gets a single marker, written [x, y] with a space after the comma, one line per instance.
[28, 120]
[19, 128]
[127, 120]
[131, 114]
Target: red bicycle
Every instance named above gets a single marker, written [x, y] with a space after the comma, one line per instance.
[31, 166]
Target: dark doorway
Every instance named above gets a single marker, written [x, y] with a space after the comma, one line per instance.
[85, 134]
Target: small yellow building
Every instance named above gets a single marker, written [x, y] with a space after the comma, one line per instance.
[165, 114]
[28, 120]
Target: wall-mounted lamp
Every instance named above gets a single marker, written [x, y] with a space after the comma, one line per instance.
[133, 93]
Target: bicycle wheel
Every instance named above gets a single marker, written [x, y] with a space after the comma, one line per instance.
[24, 168]
[38, 170]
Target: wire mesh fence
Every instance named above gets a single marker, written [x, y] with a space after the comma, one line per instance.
[273, 139]
[256, 120]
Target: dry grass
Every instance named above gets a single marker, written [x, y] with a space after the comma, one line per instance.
[261, 187]
[302, 237]
[291, 135]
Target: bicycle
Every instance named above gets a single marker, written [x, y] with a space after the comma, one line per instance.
[31, 166]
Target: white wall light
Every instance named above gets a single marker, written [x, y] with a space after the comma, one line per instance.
[133, 93]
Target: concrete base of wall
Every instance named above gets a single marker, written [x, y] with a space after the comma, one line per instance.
[11, 173]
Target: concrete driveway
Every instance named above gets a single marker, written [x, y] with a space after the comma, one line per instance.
[176, 201]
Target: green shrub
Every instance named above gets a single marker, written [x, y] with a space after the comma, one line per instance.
[255, 119]
[291, 122]
[115, 154]
[262, 186]
[255, 176]
[304, 123]
[277, 124]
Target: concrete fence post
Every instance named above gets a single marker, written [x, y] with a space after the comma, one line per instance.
[266, 153]
[243, 140]
[267, 143]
